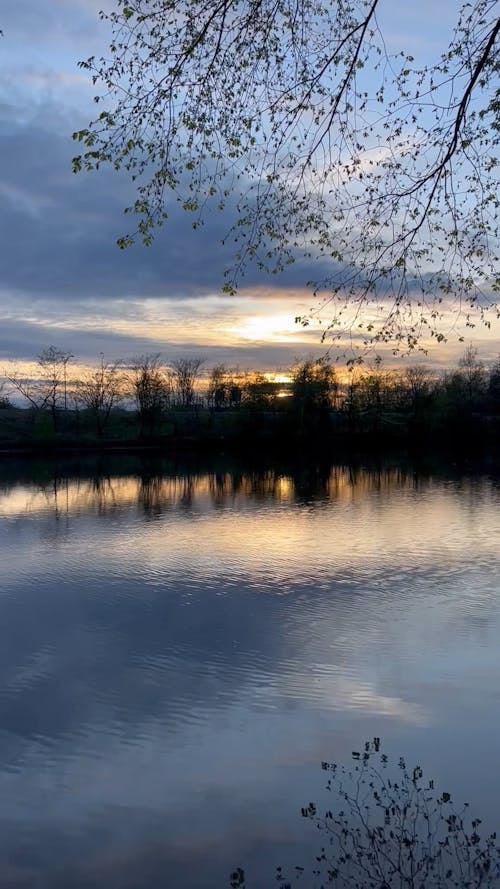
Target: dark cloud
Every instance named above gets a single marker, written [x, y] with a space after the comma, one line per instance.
[59, 231]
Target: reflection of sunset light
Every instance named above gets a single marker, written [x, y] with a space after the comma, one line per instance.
[285, 488]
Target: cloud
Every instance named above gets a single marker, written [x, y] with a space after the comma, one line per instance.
[59, 231]
[62, 278]
[23, 340]
[64, 281]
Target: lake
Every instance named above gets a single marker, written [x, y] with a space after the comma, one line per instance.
[182, 646]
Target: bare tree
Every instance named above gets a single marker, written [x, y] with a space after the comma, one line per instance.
[101, 390]
[329, 145]
[184, 375]
[53, 364]
[151, 387]
[219, 386]
[473, 372]
[47, 388]
[27, 386]
[5, 401]
[416, 386]
[417, 380]
[494, 384]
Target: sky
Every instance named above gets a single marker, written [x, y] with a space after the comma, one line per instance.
[63, 281]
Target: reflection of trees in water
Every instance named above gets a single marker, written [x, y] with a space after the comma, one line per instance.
[64, 496]
[386, 827]
[262, 485]
[97, 494]
[317, 482]
[56, 498]
[307, 483]
[157, 495]
[223, 486]
[56, 495]
[154, 491]
[217, 489]
[102, 494]
[188, 486]
[150, 496]
[379, 479]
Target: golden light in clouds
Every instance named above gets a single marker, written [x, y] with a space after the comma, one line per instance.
[227, 330]
[269, 329]
[210, 320]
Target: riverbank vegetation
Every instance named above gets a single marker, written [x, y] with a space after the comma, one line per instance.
[148, 402]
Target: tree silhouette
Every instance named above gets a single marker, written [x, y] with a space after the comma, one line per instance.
[388, 828]
[328, 143]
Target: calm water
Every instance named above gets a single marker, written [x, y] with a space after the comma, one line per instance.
[180, 651]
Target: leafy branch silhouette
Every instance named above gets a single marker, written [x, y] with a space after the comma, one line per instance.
[388, 828]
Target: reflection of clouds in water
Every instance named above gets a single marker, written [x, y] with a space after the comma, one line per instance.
[28, 674]
[91, 661]
[91, 767]
[338, 693]
[144, 791]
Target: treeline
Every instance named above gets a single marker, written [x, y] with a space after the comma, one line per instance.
[146, 400]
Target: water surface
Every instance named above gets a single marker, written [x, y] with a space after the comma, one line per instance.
[179, 651]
